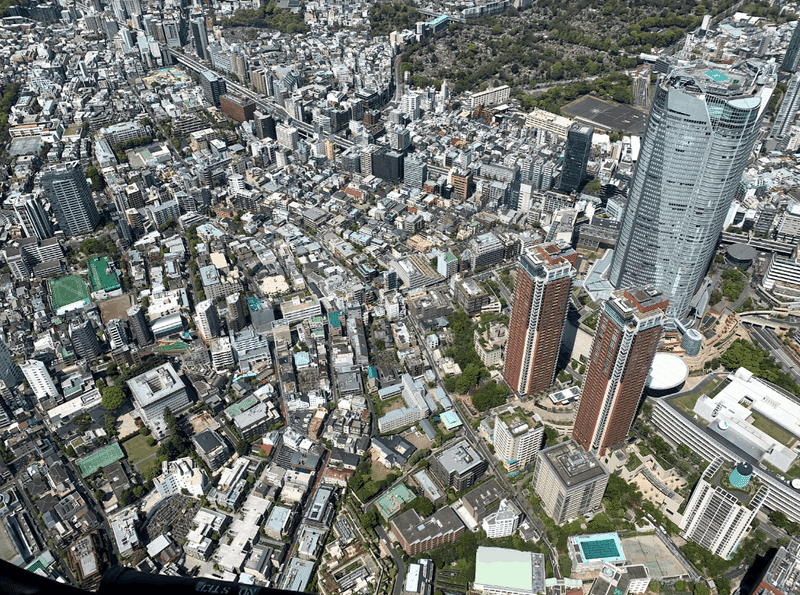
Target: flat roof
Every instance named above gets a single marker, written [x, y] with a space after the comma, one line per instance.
[460, 458]
[156, 384]
[573, 465]
[667, 371]
[394, 500]
[510, 569]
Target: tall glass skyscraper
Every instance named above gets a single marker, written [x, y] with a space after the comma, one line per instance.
[792, 55]
[703, 123]
[576, 156]
[71, 198]
[790, 105]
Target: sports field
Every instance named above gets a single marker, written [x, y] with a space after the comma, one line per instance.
[100, 277]
[100, 458]
[68, 290]
[140, 455]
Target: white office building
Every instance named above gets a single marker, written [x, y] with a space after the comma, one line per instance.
[181, 474]
[502, 522]
[156, 390]
[39, 379]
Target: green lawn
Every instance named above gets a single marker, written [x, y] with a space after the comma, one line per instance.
[781, 435]
[137, 449]
[688, 401]
[145, 465]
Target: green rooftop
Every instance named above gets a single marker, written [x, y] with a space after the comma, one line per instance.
[100, 458]
[505, 568]
[101, 275]
[242, 405]
[66, 291]
[516, 418]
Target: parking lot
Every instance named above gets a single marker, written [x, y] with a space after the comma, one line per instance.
[607, 115]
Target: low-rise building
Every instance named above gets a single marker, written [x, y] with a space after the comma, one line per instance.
[502, 571]
[212, 448]
[416, 535]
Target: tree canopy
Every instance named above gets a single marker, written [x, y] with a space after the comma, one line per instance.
[113, 397]
[743, 354]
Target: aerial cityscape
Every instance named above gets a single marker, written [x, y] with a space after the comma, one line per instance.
[486, 297]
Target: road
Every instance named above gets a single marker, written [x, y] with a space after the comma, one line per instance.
[767, 339]
[401, 566]
[515, 489]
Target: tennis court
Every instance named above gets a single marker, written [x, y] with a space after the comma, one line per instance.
[101, 275]
[68, 293]
[100, 458]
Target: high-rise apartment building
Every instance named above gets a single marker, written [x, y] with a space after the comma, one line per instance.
[569, 481]
[576, 156]
[517, 439]
[792, 56]
[207, 320]
[84, 340]
[213, 86]
[32, 216]
[790, 105]
[288, 136]
[717, 519]
[703, 124]
[415, 172]
[10, 374]
[410, 106]
[200, 36]
[39, 379]
[138, 325]
[628, 331]
[71, 199]
[117, 335]
[237, 312]
[264, 125]
[541, 297]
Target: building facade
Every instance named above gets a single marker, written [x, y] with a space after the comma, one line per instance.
[39, 379]
[569, 481]
[627, 336]
[576, 156]
[541, 296]
[416, 535]
[207, 320]
[71, 199]
[458, 467]
[703, 124]
[517, 439]
[716, 519]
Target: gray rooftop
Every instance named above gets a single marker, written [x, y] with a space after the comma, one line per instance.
[154, 385]
[573, 465]
[414, 529]
[460, 458]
